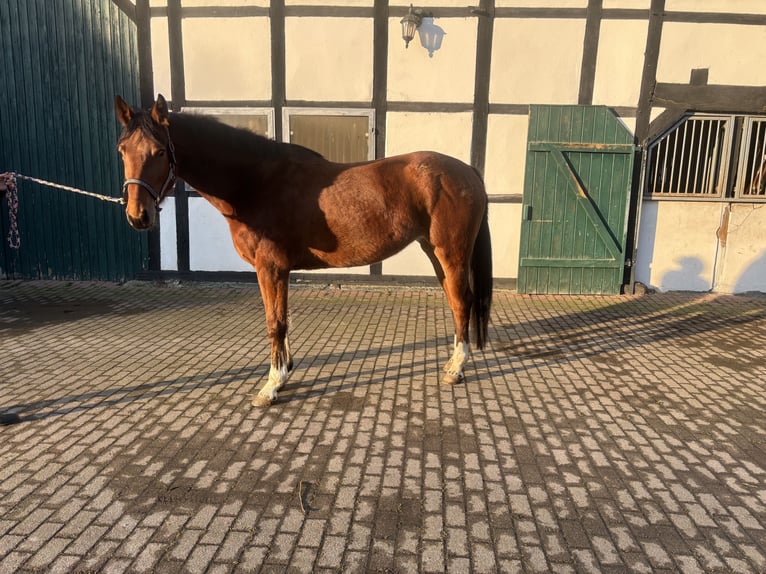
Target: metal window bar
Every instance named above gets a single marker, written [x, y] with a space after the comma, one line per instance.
[692, 158]
[751, 175]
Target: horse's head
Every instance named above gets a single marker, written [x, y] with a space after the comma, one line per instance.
[147, 153]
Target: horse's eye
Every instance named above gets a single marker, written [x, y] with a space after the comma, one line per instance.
[160, 152]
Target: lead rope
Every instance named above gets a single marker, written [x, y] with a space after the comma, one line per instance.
[12, 197]
[9, 179]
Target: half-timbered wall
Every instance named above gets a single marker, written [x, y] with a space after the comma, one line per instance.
[648, 60]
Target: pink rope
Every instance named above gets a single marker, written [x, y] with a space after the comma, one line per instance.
[8, 181]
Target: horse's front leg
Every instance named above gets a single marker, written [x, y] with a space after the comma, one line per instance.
[274, 283]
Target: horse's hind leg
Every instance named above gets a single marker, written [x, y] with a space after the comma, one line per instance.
[458, 296]
[274, 284]
[453, 277]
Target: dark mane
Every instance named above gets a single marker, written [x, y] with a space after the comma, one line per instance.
[235, 143]
[230, 142]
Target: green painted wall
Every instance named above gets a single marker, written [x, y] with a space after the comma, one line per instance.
[61, 63]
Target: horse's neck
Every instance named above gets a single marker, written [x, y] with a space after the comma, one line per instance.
[212, 171]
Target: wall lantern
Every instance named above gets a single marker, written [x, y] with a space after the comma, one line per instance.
[411, 22]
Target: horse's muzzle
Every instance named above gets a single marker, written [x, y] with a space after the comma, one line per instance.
[142, 222]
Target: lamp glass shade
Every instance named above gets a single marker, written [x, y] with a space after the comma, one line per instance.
[409, 25]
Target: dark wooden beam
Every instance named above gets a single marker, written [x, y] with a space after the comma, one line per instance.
[649, 75]
[590, 52]
[142, 16]
[486, 16]
[380, 75]
[716, 18]
[176, 52]
[432, 107]
[178, 100]
[380, 87]
[145, 65]
[706, 98]
[277, 19]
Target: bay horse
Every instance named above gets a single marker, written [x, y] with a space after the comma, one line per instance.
[289, 208]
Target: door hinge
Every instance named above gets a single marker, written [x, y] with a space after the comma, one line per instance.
[527, 212]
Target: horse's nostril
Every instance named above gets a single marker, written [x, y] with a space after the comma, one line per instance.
[144, 217]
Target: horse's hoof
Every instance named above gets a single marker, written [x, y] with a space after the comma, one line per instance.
[452, 378]
[261, 401]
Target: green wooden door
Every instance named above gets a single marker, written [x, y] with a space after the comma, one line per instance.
[61, 64]
[577, 185]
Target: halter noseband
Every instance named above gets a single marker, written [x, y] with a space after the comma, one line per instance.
[169, 182]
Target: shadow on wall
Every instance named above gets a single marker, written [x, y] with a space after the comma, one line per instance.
[431, 36]
[687, 276]
[753, 278]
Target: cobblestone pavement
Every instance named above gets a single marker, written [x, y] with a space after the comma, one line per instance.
[594, 435]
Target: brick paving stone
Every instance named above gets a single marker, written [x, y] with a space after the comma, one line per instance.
[594, 434]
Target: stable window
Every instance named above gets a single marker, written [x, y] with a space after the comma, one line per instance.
[343, 136]
[751, 175]
[709, 157]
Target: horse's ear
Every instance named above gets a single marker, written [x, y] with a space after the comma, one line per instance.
[160, 111]
[124, 113]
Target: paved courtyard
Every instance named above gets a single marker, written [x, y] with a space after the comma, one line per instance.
[617, 434]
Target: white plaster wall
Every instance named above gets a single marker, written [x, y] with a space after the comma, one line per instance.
[445, 76]
[677, 245]
[448, 133]
[410, 261]
[195, 3]
[541, 3]
[227, 58]
[736, 6]
[210, 245]
[328, 59]
[354, 3]
[743, 265]
[505, 229]
[620, 62]
[506, 153]
[629, 123]
[431, 4]
[160, 57]
[536, 61]
[168, 246]
[627, 4]
[733, 54]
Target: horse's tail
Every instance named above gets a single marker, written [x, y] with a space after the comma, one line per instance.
[481, 269]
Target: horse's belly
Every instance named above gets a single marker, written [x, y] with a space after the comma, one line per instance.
[357, 230]
[360, 251]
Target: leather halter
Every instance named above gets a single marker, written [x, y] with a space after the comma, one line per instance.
[169, 181]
